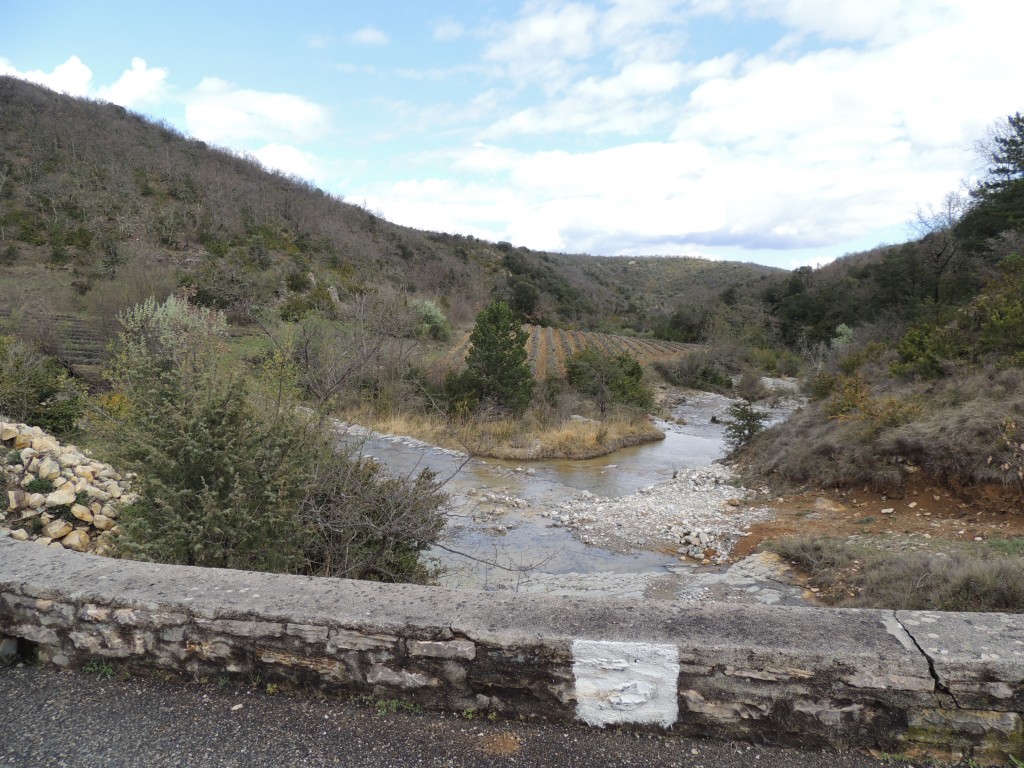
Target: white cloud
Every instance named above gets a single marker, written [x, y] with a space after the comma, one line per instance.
[289, 159]
[72, 77]
[369, 36]
[805, 145]
[318, 41]
[217, 111]
[138, 84]
[446, 31]
[546, 44]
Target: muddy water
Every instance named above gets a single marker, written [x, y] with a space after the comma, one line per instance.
[497, 538]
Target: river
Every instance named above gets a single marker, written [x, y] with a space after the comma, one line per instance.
[500, 536]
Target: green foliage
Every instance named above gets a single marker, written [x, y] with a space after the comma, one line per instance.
[497, 372]
[994, 321]
[233, 475]
[923, 352]
[36, 389]
[432, 322]
[609, 379]
[40, 485]
[699, 370]
[744, 422]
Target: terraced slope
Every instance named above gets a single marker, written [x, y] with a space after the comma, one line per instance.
[549, 348]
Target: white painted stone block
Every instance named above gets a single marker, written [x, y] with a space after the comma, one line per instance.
[625, 682]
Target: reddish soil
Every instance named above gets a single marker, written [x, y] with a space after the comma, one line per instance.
[920, 510]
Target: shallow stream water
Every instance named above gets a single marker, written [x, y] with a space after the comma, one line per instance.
[498, 538]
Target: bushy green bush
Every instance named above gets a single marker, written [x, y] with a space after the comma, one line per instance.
[699, 370]
[35, 389]
[744, 422]
[232, 474]
[609, 379]
[923, 351]
[432, 322]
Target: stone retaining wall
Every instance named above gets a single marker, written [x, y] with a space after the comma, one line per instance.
[897, 681]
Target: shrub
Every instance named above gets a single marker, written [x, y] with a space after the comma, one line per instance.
[698, 370]
[432, 322]
[40, 485]
[744, 422]
[850, 394]
[609, 379]
[36, 389]
[233, 475]
[923, 351]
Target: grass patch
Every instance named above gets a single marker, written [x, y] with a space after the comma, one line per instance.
[526, 439]
[855, 575]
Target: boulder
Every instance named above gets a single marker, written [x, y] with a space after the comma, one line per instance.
[48, 469]
[45, 444]
[57, 529]
[8, 432]
[62, 496]
[102, 522]
[76, 540]
[82, 513]
[19, 535]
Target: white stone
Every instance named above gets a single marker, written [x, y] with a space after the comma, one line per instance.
[625, 682]
[36, 500]
[62, 496]
[19, 534]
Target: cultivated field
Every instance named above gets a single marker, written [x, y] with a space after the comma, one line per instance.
[548, 349]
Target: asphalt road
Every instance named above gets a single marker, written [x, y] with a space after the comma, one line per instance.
[53, 718]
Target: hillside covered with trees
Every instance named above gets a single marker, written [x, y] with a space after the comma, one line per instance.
[911, 354]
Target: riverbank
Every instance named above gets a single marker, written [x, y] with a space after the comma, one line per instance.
[526, 439]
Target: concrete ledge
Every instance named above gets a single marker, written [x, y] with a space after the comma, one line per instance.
[898, 681]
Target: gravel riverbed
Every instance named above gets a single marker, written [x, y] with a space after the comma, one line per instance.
[699, 514]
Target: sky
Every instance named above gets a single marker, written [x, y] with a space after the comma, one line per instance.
[781, 132]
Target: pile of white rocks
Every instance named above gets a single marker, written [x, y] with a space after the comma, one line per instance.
[699, 515]
[58, 496]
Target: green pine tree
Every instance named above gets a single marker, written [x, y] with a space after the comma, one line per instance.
[496, 368]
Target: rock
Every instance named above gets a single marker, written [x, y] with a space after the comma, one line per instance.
[43, 541]
[887, 511]
[76, 540]
[57, 529]
[109, 511]
[45, 444]
[36, 500]
[8, 432]
[48, 469]
[19, 535]
[62, 496]
[22, 441]
[15, 499]
[82, 513]
[102, 522]
[27, 454]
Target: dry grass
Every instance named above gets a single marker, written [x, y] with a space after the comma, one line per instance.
[526, 439]
[961, 580]
[950, 435]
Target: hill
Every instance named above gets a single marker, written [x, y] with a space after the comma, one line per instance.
[100, 207]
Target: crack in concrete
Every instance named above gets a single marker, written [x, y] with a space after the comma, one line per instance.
[940, 687]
